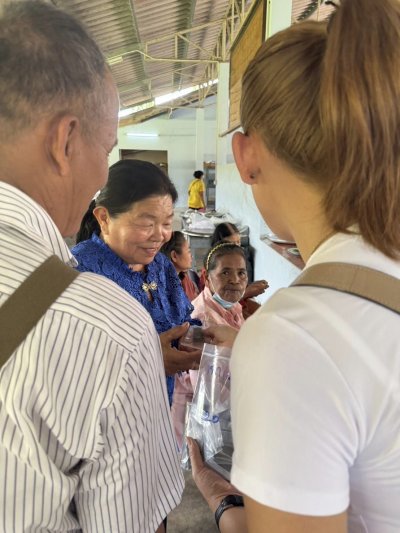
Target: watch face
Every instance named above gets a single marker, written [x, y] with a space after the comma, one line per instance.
[233, 500]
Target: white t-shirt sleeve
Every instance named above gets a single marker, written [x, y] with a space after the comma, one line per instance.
[294, 421]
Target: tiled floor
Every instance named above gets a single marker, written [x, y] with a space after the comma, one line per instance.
[193, 514]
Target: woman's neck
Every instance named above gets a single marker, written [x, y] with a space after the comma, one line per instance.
[305, 217]
[137, 268]
[309, 240]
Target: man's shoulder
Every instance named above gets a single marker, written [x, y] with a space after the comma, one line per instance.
[98, 291]
[101, 304]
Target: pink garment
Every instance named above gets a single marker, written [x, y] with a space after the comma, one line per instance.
[209, 312]
[188, 286]
[183, 394]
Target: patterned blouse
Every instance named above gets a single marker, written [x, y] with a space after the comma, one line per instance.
[169, 306]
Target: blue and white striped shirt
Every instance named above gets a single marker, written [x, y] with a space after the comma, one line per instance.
[86, 441]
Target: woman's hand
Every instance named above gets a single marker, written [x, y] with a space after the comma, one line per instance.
[222, 335]
[178, 360]
[212, 486]
[249, 307]
[214, 489]
[255, 289]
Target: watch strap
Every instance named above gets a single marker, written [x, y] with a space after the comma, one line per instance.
[233, 500]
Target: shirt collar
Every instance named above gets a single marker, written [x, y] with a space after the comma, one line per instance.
[351, 248]
[20, 212]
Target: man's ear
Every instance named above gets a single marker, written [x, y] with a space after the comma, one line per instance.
[245, 157]
[103, 218]
[64, 133]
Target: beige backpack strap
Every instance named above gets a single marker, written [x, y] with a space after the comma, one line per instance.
[361, 281]
[26, 306]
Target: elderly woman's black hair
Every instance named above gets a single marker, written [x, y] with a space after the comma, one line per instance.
[174, 244]
[223, 230]
[219, 250]
[129, 181]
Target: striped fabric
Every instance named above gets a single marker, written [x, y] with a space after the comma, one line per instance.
[85, 435]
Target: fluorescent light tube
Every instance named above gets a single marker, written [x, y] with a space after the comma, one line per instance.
[132, 134]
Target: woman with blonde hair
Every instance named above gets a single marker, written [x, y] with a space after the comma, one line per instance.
[316, 372]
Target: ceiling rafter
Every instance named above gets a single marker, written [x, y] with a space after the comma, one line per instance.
[227, 29]
[155, 47]
[182, 44]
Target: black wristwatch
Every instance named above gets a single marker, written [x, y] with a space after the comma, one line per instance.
[233, 500]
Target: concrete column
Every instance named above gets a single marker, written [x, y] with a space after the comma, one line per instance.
[279, 16]
[223, 113]
[199, 155]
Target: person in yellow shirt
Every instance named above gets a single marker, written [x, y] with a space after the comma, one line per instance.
[196, 191]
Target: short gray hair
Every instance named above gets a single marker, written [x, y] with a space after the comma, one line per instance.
[48, 65]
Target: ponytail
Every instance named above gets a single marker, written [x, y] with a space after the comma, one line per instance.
[89, 224]
[360, 118]
[325, 99]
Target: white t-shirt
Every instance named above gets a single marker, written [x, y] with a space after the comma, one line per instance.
[316, 400]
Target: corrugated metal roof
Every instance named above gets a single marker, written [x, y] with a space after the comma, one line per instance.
[156, 47]
[310, 9]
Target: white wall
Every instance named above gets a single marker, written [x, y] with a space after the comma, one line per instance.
[236, 197]
[231, 194]
[177, 135]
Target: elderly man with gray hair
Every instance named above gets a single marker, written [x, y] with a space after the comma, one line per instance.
[85, 436]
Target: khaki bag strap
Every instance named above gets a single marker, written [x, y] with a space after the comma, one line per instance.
[26, 306]
[361, 281]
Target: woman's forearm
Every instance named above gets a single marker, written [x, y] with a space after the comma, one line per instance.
[233, 520]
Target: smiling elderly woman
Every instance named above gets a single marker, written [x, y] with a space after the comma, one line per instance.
[120, 237]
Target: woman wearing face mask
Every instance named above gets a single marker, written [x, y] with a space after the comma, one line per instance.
[120, 238]
[226, 281]
[218, 303]
[229, 232]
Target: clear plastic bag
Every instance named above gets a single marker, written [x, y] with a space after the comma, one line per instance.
[208, 417]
